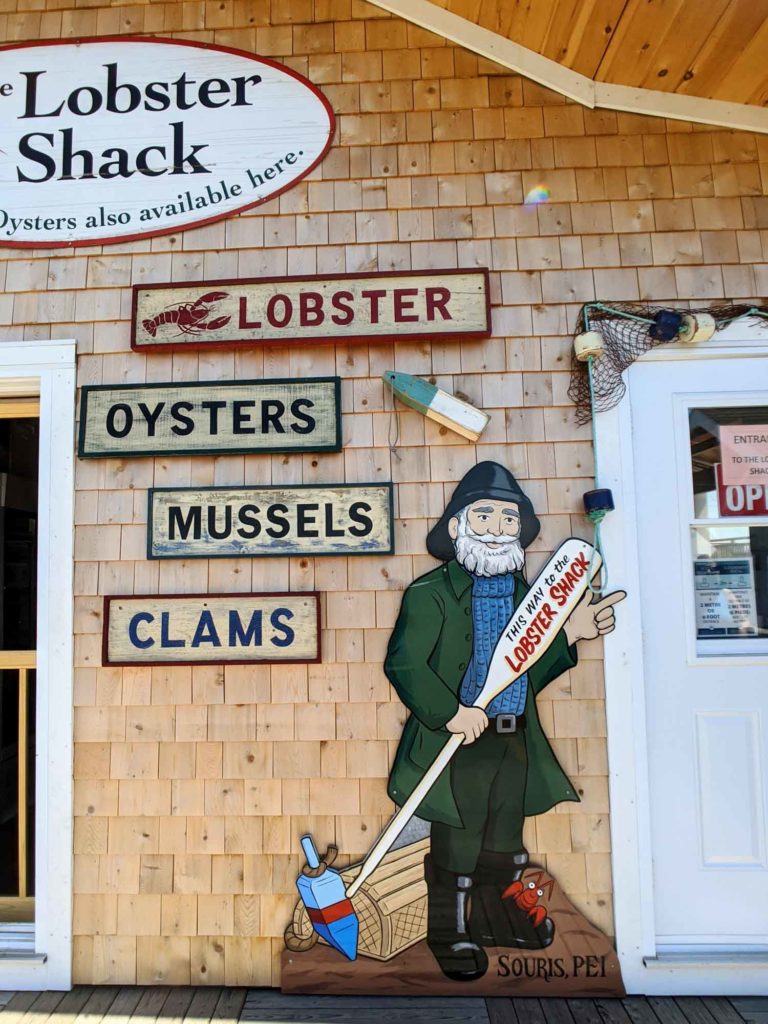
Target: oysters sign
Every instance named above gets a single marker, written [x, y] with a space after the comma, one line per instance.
[110, 139]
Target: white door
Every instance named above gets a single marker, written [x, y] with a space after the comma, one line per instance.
[700, 447]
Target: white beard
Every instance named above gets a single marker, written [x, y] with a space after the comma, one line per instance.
[473, 553]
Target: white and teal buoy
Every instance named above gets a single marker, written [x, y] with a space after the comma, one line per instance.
[437, 405]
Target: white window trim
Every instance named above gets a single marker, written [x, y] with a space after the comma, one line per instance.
[47, 368]
[643, 971]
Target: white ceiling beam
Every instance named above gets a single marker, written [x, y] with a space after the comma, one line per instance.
[744, 116]
[575, 86]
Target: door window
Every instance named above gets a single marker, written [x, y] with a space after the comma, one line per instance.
[729, 528]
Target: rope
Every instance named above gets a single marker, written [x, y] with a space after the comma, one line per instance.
[597, 516]
[596, 519]
[393, 418]
[295, 940]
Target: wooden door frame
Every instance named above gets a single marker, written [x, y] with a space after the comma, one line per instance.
[643, 970]
[47, 369]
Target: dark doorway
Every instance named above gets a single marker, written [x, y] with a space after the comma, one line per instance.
[19, 445]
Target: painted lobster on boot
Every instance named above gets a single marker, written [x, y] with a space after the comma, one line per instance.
[189, 317]
[526, 895]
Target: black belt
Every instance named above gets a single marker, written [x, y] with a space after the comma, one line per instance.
[507, 723]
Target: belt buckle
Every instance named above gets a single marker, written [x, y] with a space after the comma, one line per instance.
[506, 723]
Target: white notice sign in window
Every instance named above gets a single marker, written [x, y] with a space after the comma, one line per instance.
[725, 598]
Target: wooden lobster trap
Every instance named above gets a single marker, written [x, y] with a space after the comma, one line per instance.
[391, 906]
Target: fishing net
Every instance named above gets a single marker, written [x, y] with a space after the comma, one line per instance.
[628, 331]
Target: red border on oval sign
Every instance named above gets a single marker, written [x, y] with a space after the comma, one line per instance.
[116, 239]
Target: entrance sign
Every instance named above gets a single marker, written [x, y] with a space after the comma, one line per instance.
[243, 522]
[744, 453]
[211, 417]
[741, 499]
[113, 139]
[352, 307]
[211, 629]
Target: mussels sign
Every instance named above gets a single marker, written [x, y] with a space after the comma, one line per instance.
[277, 520]
[110, 139]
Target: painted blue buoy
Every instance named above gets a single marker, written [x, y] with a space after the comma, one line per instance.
[598, 501]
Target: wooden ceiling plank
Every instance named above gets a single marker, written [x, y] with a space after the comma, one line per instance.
[748, 74]
[694, 24]
[563, 31]
[638, 36]
[759, 97]
[525, 21]
[587, 35]
[512, 25]
[493, 14]
[469, 9]
[739, 23]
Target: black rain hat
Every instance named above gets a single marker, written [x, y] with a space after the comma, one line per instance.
[485, 480]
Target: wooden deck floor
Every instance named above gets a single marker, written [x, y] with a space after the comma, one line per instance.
[113, 1005]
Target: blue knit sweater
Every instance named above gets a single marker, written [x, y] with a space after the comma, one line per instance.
[492, 607]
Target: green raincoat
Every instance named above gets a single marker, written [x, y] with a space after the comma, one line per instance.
[428, 654]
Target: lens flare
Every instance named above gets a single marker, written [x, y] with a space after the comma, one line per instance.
[538, 194]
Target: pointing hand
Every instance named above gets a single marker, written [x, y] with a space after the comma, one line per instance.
[592, 619]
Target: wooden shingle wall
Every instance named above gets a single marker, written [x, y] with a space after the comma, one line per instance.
[193, 785]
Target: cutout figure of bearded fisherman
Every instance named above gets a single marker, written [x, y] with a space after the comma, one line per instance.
[438, 658]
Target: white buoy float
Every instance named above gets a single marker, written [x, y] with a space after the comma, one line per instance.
[589, 343]
[696, 328]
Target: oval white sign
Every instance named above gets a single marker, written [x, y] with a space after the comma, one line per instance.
[110, 139]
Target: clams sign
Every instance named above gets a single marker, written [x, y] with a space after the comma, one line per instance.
[110, 139]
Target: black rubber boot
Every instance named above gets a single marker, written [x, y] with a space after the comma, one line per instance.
[447, 917]
[497, 920]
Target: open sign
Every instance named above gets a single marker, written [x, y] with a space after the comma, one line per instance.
[741, 499]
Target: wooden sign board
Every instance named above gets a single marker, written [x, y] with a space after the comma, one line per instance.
[194, 629]
[249, 522]
[211, 417]
[395, 306]
[115, 138]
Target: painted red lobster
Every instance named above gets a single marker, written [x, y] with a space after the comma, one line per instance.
[189, 317]
[527, 894]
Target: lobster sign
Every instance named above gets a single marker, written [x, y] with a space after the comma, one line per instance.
[189, 317]
[365, 307]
